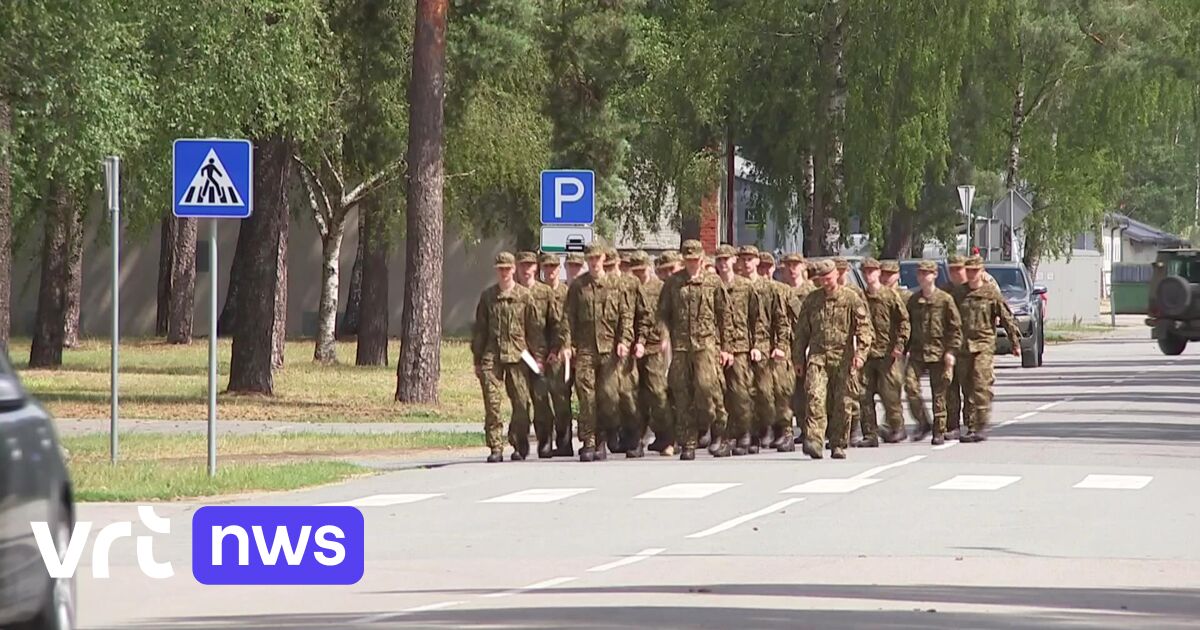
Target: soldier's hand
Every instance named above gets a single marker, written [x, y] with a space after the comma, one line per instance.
[1016, 349]
[949, 359]
[639, 350]
[755, 355]
[856, 364]
[896, 354]
[778, 354]
[566, 355]
[622, 350]
[665, 346]
[726, 359]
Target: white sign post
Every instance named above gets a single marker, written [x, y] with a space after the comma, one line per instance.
[112, 187]
[966, 195]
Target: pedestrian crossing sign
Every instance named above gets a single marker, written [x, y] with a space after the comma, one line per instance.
[213, 178]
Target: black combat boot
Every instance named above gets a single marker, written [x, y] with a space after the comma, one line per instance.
[868, 442]
[838, 453]
[921, 433]
[636, 451]
[687, 454]
[522, 447]
[614, 441]
[545, 450]
[587, 454]
[893, 437]
[786, 443]
[565, 448]
[706, 439]
[660, 442]
[743, 445]
[722, 449]
[601, 451]
[812, 449]
[754, 447]
[496, 456]
[938, 439]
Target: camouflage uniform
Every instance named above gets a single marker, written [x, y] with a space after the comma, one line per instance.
[936, 331]
[555, 374]
[957, 406]
[693, 309]
[795, 304]
[548, 337]
[627, 436]
[842, 265]
[739, 380]
[598, 324]
[889, 317]
[980, 309]
[833, 331]
[778, 328]
[503, 321]
[652, 367]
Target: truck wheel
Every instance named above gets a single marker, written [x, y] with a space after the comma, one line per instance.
[1029, 356]
[1172, 345]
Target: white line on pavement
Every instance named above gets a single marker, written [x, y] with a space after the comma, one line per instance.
[414, 609]
[1006, 423]
[867, 474]
[829, 486]
[730, 524]
[1114, 482]
[624, 562]
[538, 495]
[687, 491]
[384, 500]
[1050, 405]
[975, 482]
[949, 444]
[1027, 414]
[533, 587]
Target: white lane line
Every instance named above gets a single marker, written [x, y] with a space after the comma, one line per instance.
[867, 474]
[1114, 482]
[533, 587]
[383, 500]
[624, 562]
[687, 491]
[1050, 405]
[730, 524]
[830, 486]
[950, 444]
[538, 495]
[1026, 415]
[1006, 423]
[414, 609]
[975, 482]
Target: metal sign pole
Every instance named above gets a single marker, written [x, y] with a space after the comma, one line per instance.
[112, 180]
[212, 348]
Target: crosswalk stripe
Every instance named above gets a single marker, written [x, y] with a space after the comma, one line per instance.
[1114, 482]
[976, 482]
[538, 495]
[384, 500]
[687, 491]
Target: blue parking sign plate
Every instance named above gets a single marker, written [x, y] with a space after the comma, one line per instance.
[213, 178]
[568, 197]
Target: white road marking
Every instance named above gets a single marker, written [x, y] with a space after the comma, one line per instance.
[687, 491]
[624, 562]
[383, 500]
[949, 444]
[1050, 405]
[1114, 482]
[867, 474]
[1006, 423]
[533, 587]
[414, 609]
[730, 524]
[538, 495]
[976, 482]
[830, 486]
[1026, 415]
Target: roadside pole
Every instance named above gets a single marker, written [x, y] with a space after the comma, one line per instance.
[212, 347]
[112, 182]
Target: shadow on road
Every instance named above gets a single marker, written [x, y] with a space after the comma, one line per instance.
[1115, 431]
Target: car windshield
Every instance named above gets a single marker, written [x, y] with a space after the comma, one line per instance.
[1011, 281]
[908, 275]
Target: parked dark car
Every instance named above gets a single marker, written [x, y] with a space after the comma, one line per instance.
[1174, 309]
[908, 274]
[34, 486]
[1025, 300]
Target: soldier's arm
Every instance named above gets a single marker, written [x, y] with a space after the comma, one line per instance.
[571, 306]
[801, 335]
[782, 321]
[903, 326]
[723, 316]
[1007, 321]
[954, 338]
[480, 330]
[535, 326]
[863, 329]
[644, 317]
[558, 318]
[625, 330]
[910, 307]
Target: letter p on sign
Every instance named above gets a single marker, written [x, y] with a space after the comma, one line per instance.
[568, 197]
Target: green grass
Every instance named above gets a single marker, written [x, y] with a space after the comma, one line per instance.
[164, 467]
[162, 381]
[1065, 332]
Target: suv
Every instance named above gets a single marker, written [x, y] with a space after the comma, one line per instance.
[1025, 300]
[1175, 299]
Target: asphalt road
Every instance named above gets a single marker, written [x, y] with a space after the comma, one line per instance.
[1081, 512]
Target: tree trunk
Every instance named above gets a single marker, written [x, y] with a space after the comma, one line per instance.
[419, 367]
[166, 266]
[899, 237]
[183, 282]
[331, 251]
[6, 224]
[227, 321]
[354, 295]
[258, 256]
[279, 329]
[1012, 169]
[835, 124]
[74, 279]
[49, 328]
[373, 315]
[809, 183]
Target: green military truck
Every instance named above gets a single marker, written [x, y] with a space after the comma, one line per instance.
[1175, 299]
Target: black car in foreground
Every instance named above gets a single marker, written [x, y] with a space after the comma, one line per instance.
[34, 486]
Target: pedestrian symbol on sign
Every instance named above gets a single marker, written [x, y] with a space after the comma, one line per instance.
[211, 185]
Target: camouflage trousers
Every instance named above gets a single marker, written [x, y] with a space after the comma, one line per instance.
[800, 404]
[977, 373]
[551, 404]
[882, 377]
[496, 379]
[833, 394]
[958, 404]
[628, 397]
[695, 378]
[854, 415]
[739, 396]
[596, 388]
[939, 381]
[655, 409]
[784, 388]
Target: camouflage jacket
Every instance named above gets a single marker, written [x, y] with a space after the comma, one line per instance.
[551, 333]
[936, 326]
[889, 321]
[504, 321]
[980, 309]
[650, 331]
[596, 315]
[795, 302]
[770, 322]
[696, 312]
[742, 300]
[832, 328]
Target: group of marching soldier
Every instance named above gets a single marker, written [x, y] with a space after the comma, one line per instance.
[717, 353]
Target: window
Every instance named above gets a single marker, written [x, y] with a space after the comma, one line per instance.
[1011, 280]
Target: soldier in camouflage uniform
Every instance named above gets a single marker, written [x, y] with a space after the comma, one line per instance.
[761, 319]
[647, 351]
[982, 305]
[693, 308]
[544, 343]
[798, 286]
[843, 279]
[560, 387]
[783, 377]
[831, 342]
[738, 381]
[504, 319]
[600, 334]
[889, 318]
[617, 267]
[932, 346]
[889, 276]
[575, 263]
[957, 407]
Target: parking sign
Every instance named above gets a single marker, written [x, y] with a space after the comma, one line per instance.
[568, 197]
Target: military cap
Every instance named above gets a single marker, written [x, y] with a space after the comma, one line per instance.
[627, 257]
[526, 257]
[748, 250]
[595, 249]
[639, 260]
[841, 263]
[726, 251]
[691, 249]
[549, 260]
[870, 263]
[505, 259]
[955, 261]
[890, 266]
[823, 267]
[575, 258]
[660, 262]
[974, 262]
[766, 258]
[792, 258]
[671, 257]
[927, 265]
[611, 256]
